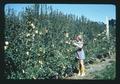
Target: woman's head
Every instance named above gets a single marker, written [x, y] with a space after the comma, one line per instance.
[79, 38]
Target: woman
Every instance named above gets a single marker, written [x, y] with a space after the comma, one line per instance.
[78, 42]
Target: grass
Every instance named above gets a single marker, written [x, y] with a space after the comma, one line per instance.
[108, 73]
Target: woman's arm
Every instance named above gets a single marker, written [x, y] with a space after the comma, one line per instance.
[78, 44]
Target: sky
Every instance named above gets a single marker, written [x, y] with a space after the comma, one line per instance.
[94, 12]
